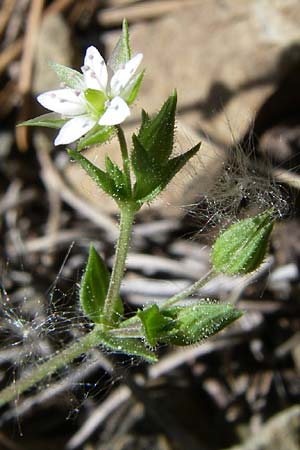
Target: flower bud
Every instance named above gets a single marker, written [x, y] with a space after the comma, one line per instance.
[242, 247]
[186, 325]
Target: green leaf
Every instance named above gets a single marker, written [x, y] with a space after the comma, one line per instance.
[242, 247]
[113, 182]
[132, 89]
[97, 135]
[49, 120]
[147, 173]
[155, 323]
[122, 52]
[194, 323]
[70, 77]
[145, 121]
[129, 346]
[119, 178]
[169, 171]
[93, 288]
[151, 178]
[157, 134]
[101, 178]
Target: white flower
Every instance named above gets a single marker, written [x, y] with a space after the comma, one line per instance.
[97, 99]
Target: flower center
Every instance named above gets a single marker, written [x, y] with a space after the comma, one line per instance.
[95, 102]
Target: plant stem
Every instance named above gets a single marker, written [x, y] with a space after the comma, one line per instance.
[189, 290]
[87, 342]
[125, 156]
[126, 221]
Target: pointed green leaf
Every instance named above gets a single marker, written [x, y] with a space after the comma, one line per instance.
[129, 346]
[119, 178]
[145, 121]
[101, 178]
[49, 120]
[70, 77]
[94, 287]
[174, 165]
[97, 135]
[132, 89]
[147, 173]
[242, 247]
[151, 179]
[194, 323]
[157, 134]
[111, 182]
[121, 53]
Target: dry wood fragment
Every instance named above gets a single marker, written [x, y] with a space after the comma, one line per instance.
[141, 11]
[29, 44]
[10, 53]
[5, 13]
[30, 40]
[114, 401]
[58, 6]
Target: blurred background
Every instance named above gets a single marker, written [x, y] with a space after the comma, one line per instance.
[236, 66]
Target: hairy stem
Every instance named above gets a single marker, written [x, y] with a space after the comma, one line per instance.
[126, 221]
[190, 290]
[52, 365]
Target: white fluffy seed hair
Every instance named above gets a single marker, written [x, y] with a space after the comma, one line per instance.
[233, 183]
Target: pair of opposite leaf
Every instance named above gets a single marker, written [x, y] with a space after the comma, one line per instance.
[151, 160]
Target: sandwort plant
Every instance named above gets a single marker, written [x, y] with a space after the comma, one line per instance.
[89, 110]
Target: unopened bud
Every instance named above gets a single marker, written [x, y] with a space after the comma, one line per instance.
[186, 325]
[242, 247]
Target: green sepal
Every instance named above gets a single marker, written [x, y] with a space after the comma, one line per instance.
[129, 346]
[49, 120]
[155, 323]
[97, 135]
[121, 54]
[111, 182]
[93, 289]
[132, 89]
[70, 77]
[242, 247]
[157, 134]
[195, 323]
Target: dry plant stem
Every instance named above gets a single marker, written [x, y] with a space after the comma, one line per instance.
[126, 221]
[190, 290]
[51, 366]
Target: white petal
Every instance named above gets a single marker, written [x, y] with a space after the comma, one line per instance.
[68, 102]
[122, 76]
[116, 112]
[74, 129]
[94, 70]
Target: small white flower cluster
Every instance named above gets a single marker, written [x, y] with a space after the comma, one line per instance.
[99, 99]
